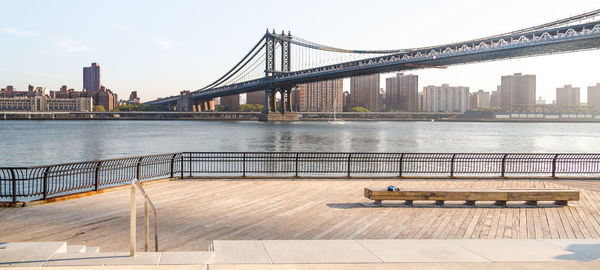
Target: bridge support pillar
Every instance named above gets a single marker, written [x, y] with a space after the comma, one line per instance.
[278, 112]
[202, 105]
[270, 100]
[184, 102]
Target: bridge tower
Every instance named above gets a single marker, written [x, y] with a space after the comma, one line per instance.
[283, 110]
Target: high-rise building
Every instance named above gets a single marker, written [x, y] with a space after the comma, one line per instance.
[567, 96]
[296, 99]
[91, 78]
[472, 100]
[496, 98]
[593, 96]
[481, 99]
[445, 98]
[346, 96]
[105, 98]
[518, 92]
[365, 92]
[321, 96]
[231, 103]
[134, 98]
[256, 97]
[401, 93]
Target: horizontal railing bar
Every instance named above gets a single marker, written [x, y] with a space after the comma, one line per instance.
[94, 161]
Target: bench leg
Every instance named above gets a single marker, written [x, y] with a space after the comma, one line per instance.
[500, 203]
[377, 202]
[531, 202]
[439, 202]
[469, 202]
[408, 202]
[563, 203]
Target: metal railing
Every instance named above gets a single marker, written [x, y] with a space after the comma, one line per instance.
[44, 182]
[390, 164]
[132, 225]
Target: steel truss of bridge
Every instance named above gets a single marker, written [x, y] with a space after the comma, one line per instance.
[313, 62]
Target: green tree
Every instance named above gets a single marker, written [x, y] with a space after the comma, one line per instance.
[355, 109]
[98, 108]
[140, 108]
[250, 108]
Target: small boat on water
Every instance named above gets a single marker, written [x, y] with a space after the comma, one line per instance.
[333, 119]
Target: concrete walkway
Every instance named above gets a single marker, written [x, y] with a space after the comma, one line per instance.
[326, 254]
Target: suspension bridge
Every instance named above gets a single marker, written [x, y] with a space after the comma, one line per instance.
[279, 62]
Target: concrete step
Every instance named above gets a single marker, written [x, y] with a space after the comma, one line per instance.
[197, 258]
[32, 254]
[92, 250]
[306, 252]
[75, 248]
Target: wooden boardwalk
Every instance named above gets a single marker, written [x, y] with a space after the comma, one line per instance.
[193, 213]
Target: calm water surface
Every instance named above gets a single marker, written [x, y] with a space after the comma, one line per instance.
[24, 143]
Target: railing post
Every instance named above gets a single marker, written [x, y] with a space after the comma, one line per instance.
[14, 185]
[138, 172]
[146, 226]
[173, 165]
[190, 164]
[97, 176]
[503, 166]
[349, 158]
[155, 231]
[401, 165]
[452, 166]
[244, 165]
[45, 182]
[554, 166]
[297, 154]
[132, 216]
[182, 154]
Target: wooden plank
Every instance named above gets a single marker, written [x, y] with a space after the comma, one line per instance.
[194, 213]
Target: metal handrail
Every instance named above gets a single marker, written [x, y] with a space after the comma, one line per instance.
[132, 226]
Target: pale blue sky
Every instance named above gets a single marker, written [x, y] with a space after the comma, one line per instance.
[161, 47]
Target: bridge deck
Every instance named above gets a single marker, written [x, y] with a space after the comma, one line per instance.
[193, 213]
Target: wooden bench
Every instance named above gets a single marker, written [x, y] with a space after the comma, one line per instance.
[500, 196]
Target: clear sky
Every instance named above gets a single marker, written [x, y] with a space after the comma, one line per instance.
[161, 47]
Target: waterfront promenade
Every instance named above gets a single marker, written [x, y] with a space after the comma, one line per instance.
[193, 213]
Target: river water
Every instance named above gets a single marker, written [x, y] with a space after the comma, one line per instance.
[27, 143]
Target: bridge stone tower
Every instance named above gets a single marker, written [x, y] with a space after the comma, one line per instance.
[273, 110]
[185, 103]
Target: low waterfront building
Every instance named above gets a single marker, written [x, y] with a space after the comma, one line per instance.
[540, 101]
[45, 103]
[36, 100]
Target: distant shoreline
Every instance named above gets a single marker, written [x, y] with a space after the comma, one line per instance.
[253, 116]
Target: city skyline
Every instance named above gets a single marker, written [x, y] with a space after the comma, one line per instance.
[162, 58]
